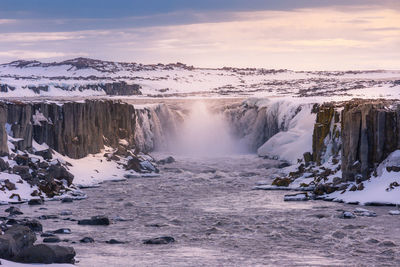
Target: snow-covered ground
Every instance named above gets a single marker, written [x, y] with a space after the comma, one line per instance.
[6, 263]
[70, 77]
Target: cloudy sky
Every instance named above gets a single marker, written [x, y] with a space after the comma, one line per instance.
[293, 34]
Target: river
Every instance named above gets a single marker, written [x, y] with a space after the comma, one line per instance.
[207, 204]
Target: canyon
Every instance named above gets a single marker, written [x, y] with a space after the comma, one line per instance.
[102, 140]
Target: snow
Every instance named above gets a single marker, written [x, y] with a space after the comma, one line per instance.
[23, 189]
[169, 80]
[6, 263]
[376, 189]
[290, 145]
[94, 169]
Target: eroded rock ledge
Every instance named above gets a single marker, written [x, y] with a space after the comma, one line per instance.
[351, 141]
[31, 133]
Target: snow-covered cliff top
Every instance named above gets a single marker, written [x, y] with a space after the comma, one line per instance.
[83, 77]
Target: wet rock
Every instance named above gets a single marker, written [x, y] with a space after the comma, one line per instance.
[47, 254]
[159, 240]
[35, 201]
[114, 241]
[9, 185]
[87, 240]
[283, 165]
[372, 241]
[321, 189]
[46, 154]
[388, 243]
[62, 231]
[167, 160]
[67, 200]
[15, 239]
[95, 220]
[339, 235]
[51, 239]
[119, 219]
[281, 181]
[307, 158]
[21, 160]
[347, 215]
[134, 164]
[3, 165]
[353, 188]
[47, 217]
[394, 212]
[14, 211]
[296, 197]
[34, 225]
[60, 173]
[21, 170]
[47, 234]
[66, 213]
[360, 187]
[364, 212]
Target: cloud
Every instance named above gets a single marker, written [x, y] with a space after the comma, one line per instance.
[26, 54]
[313, 38]
[7, 21]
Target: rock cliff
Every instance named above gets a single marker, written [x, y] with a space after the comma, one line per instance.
[74, 129]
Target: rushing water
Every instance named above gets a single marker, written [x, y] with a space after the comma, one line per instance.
[208, 206]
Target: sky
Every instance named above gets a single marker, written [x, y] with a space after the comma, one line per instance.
[289, 34]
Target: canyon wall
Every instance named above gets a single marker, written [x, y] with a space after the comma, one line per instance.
[361, 133]
[74, 129]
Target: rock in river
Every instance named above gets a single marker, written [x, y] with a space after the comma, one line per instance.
[159, 240]
[47, 254]
[95, 220]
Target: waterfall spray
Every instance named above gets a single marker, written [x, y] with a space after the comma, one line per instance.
[205, 133]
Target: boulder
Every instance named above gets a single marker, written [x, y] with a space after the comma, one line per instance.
[4, 165]
[47, 254]
[134, 164]
[14, 211]
[347, 215]
[67, 200]
[21, 160]
[167, 160]
[46, 154]
[87, 240]
[60, 173]
[35, 201]
[34, 225]
[281, 181]
[51, 239]
[159, 240]
[16, 238]
[62, 231]
[114, 241]
[95, 220]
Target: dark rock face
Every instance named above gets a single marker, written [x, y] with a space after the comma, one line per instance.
[115, 88]
[370, 132]
[73, 129]
[3, 165]
[325, 115]
[3, 133]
